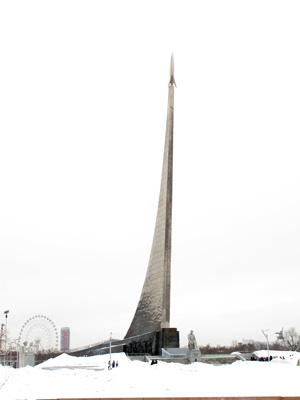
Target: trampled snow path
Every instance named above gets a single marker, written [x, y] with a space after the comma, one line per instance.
[138, 379]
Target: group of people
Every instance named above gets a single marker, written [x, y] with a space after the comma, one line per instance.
[254, 358]
[113, 364]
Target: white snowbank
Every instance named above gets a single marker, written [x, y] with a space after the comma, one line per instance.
[138, 379]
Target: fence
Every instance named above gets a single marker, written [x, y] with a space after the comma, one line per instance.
[9, 359]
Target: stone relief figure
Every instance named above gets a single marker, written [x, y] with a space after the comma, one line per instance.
[192, 344]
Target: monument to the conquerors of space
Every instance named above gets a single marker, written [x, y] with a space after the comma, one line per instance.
[150, 330]
[151, 323]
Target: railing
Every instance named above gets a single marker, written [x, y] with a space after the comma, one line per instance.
[10, 359]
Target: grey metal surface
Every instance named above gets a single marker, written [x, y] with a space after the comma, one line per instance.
[153, 310]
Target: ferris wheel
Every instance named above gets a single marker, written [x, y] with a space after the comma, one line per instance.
[39, 333]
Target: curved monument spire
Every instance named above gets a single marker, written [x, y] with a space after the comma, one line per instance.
[172, 79]
[153, 310]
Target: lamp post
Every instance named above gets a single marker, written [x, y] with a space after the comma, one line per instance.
[110, 349]
[266, 335]
[5, 313]
[110, 335]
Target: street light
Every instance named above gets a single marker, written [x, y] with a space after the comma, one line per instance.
[5, 313]
[110, 333]
[266, 335]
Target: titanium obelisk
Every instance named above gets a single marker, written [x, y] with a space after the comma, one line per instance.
[153, 310]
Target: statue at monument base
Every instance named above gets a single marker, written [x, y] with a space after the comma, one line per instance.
[192, 344]
[193, 353]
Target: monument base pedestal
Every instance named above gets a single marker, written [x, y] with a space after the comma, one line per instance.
[166, 338]
[193, 355]
[26, 358]
[152, 342]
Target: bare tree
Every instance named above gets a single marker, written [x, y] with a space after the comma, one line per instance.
[5, 341]
[292, 339]
[2, 338]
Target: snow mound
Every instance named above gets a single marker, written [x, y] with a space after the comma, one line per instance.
[65, 360]
[60, 378]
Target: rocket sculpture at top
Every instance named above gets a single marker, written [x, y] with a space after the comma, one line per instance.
[172, 79]
[153, 310]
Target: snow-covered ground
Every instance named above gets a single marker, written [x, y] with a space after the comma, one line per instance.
[67, 376]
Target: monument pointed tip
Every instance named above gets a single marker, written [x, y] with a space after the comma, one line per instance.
[172, 79]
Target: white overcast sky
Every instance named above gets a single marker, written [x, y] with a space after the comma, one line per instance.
[83, 102]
